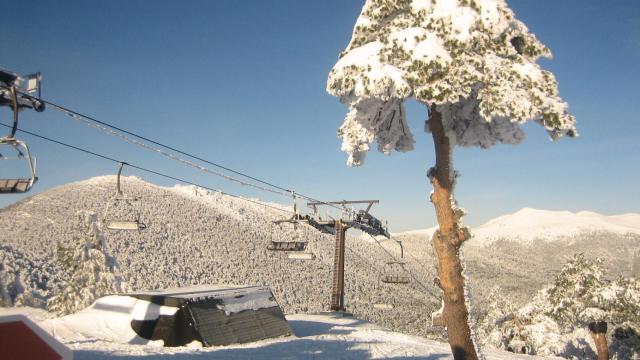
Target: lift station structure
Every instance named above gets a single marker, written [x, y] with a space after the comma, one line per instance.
[360, 220]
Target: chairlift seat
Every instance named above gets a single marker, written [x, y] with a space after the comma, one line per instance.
[395, 273]
[287, 246]
[15, 186]
[18, 185]
[125, 225]
[395, 279]
[382, 306]
[301, 256]
[112, 222]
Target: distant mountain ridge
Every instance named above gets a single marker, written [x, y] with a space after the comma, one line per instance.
[522, 252]
[528, 225]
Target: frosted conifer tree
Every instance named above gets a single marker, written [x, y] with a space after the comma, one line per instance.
[473, 65]
[89, 273]
[579, 294]
[582, 297]
[556, 321]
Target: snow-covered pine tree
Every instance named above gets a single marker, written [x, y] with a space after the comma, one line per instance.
[556, 321]
[473, 65]
[498, 310]
[576, 296]
[88, 273]
[527, 330]
[582, 297]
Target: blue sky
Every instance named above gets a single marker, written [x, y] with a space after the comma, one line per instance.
[242, 83]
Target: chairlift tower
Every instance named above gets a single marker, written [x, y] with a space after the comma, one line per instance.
[337, 293]
[360, 220]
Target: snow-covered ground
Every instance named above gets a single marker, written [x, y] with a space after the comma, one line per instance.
[100, 333]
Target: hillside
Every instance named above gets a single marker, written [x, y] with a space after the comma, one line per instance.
[528, 225]
[521, 252]
[199, 237]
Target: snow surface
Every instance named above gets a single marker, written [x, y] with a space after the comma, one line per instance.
[107, 319]
[528, 225]
[428, 232]
[98, 333]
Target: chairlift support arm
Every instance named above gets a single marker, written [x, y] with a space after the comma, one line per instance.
[119, 191]
[315, 204]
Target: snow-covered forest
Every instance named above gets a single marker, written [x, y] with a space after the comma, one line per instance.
[199, 237]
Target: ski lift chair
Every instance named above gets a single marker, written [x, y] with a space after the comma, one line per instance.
[383, 306]
[395, 273]
[16, 185]
[287, 246]
[296, 249]
[306, 254]
[119, 201]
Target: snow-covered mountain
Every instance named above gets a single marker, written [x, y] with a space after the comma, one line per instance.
[528, 225]
[521, 252]
[195, 236]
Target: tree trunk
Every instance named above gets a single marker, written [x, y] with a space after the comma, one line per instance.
[599, 334]
[446, 244]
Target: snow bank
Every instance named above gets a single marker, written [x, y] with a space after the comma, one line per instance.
[324, 336]
[107, 319]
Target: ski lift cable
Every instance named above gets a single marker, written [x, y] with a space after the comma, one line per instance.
[171, 156]
[85, 118]
[381, 272]
[73, 147]
[413, 276]
[144, 169]
[363, 260]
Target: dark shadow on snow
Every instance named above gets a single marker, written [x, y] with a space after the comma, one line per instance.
[292, 349]
[304, 328]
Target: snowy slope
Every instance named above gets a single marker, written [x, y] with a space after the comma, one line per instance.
[536, 243]
[201, 237]
[196, 236]
[424, 233]
[98, 334]
[527, 225]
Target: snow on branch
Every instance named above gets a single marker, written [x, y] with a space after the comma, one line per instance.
[471, 58]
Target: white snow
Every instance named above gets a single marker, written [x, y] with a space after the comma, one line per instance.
[456, 55]
[99, 333]
[427, 233]
[530, 224]
[431, 48]
[253, 300]
[107, 319]
[527, 225]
